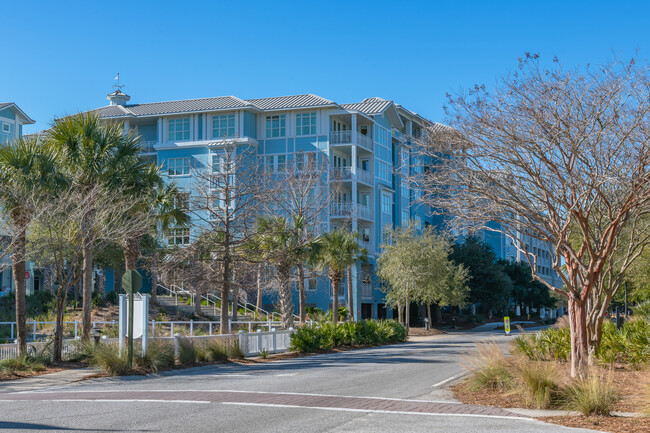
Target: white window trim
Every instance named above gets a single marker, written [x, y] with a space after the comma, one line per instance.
[176, 159]
[311, 116]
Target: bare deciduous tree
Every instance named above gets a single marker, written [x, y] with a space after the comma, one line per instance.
[560, 156]
[304, 189]
[225, 200]
[58, 236]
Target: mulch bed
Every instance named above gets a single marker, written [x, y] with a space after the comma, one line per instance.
[421, 332]
[612, 424]
[25, 374]
[627, 383]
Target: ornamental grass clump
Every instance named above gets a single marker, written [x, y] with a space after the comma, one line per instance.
[190, 353]
[489, 368]
[594, 395]
[536, 382]
[108, 358]
[22, 364]
[160, 355]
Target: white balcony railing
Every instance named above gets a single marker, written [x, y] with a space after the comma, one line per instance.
[341, 209]
[147, 146]
[342, 173]
[364, 176]
[364, 212]
[351, 137]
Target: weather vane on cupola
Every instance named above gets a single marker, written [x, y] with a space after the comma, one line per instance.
[118, 86]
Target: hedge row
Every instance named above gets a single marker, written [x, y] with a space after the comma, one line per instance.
[312, 338]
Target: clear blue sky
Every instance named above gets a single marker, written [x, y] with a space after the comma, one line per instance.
[60, 57]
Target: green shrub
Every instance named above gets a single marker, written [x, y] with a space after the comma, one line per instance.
[11, 365]
[112, 297]
[549, 344]
[97, 300]
[160, 354]
[310, 338]
[489, 369]
[592, 396]
[108, 358]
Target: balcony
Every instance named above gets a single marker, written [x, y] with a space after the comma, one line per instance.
[364, 212]
[364, 176]
[148, 146]
[341, 210]
[342, 173]
[351, 137]
[345, 173]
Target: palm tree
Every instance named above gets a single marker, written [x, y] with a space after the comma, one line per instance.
[332, 257]
[27, 170]
[278, 241]
[353, 253]
[94, 154]
[156, 200]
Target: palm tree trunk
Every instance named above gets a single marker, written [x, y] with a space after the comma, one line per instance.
[283, 273]
[87, 269]
[350, 295]
[131, 252]
[335, 299]
[258, 305]
[18, 269]
[154, 286]
[58, 333]
[301, 292]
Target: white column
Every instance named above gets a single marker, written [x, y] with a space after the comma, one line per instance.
[126, 126]
[159, 123]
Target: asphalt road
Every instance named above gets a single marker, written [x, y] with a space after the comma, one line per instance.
[403, 390]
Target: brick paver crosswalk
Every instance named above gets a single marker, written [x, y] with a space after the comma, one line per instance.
[280, 399]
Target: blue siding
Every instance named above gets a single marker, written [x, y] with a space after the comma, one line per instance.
[8, 113]
[276, 145]
[148, 132]
[250, 124]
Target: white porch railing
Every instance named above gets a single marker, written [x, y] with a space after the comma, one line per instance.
[364, 212]
[341, 209]
[147, 146]
[364, 176]
[351, 137]
[342, 173]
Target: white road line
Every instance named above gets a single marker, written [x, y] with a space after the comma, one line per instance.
[110, 400]
[449, 379]
[240, 391]
[390, 412]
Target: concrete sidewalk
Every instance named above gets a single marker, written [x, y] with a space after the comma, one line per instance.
[52, 380]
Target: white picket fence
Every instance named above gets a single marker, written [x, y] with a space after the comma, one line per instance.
[250, 343]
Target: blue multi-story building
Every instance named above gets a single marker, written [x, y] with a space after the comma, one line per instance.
[12, 119]
[368, 143]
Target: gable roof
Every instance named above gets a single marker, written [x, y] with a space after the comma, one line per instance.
[172, 107]
[293, 101]
[27, 120]
[369, 106]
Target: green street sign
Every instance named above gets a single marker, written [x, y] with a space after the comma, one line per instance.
[132, 281]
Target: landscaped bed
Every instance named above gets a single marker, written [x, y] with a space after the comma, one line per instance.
[538, 376]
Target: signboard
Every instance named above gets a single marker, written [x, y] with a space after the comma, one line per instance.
[138, 312]
[27, 275]
[506, 324]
